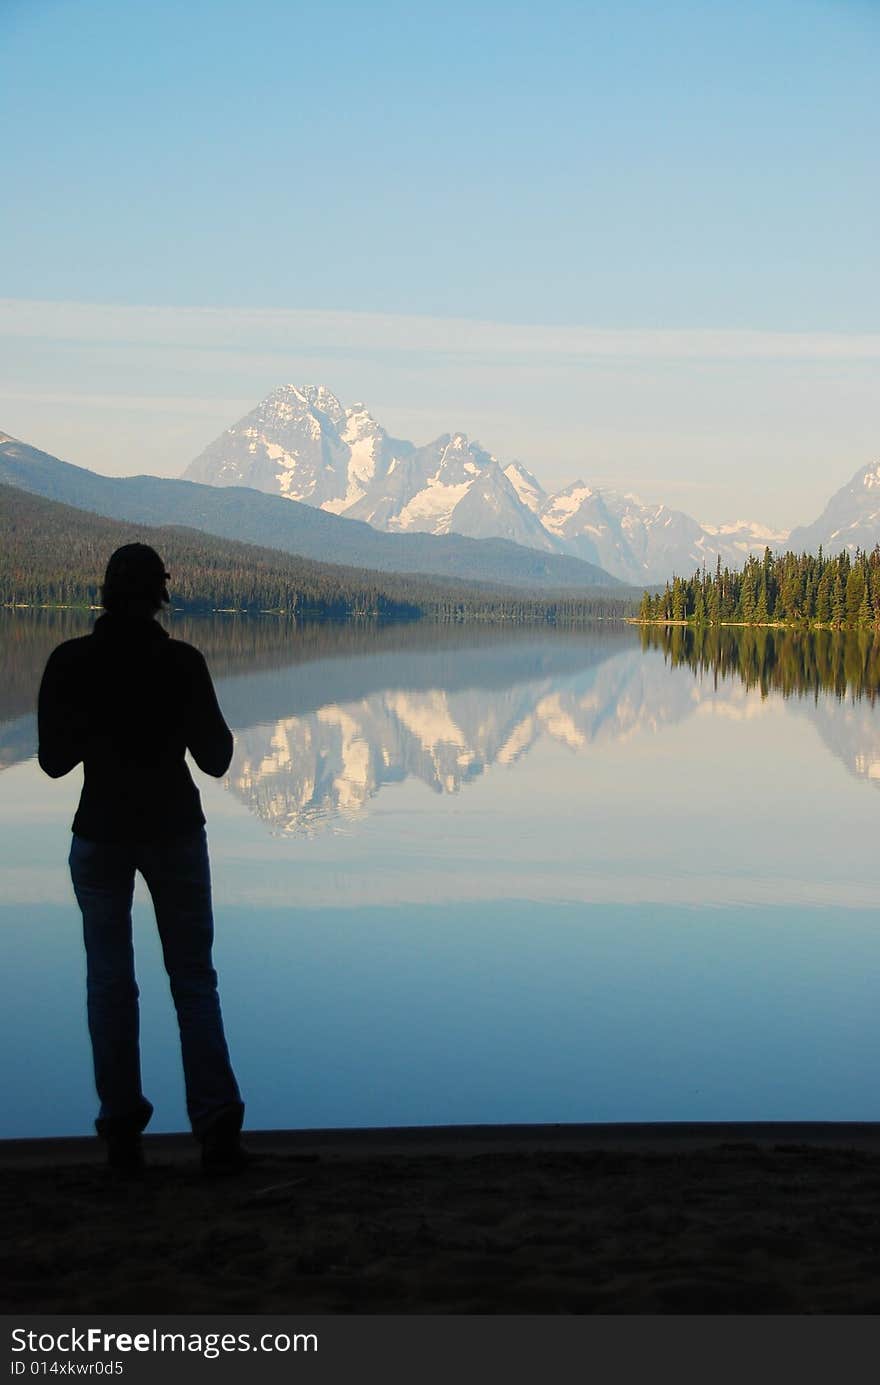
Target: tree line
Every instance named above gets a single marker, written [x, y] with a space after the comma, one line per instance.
[788, 589]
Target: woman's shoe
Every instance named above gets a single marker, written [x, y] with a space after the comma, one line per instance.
[222, 1150]
[125, 1153]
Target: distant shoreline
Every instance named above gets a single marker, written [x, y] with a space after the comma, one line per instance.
[805, 627]
[476, 616]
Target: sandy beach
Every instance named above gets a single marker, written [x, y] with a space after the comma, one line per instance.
[660, 1219]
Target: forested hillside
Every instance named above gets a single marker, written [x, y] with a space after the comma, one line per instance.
[271, 521]
[54, 555]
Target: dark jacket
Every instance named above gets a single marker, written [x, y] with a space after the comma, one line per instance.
[128, 702]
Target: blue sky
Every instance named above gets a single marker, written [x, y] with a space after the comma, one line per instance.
[635, 168]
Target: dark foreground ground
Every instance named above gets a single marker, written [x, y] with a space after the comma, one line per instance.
[529, 1219]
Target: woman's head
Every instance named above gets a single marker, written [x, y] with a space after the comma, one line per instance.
[134, 583]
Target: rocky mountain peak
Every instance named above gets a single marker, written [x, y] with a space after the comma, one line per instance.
[528, 488]
[302, 442]
[359, 423]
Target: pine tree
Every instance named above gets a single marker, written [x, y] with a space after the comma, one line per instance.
[678, 599]
[864, 615]
[699, 604]
[762, 613]
[823, 598]
[838, 600]
[855, 591]
[747, 596]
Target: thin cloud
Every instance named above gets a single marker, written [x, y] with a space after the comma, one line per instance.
[295, 331]
[147, 403]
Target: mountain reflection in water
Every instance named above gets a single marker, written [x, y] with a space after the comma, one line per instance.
[325, 716]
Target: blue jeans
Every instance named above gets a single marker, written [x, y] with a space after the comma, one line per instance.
[178, 877]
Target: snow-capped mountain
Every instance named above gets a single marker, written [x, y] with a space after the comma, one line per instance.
[642, 541]
[634, 541]
[450, 486]
[851, 519]
[303, 443]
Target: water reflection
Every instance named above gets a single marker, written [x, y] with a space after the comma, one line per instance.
[446, 725]
[492, 875]
[328, 715]
[795, 663]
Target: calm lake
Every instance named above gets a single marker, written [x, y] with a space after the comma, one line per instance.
[479, 875]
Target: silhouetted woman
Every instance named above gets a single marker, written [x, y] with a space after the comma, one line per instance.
[128, 702]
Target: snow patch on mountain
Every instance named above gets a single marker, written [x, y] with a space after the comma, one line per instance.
[436, 504]
[561, 507]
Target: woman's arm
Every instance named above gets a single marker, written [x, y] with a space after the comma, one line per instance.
[59, 721]
[208, 738]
